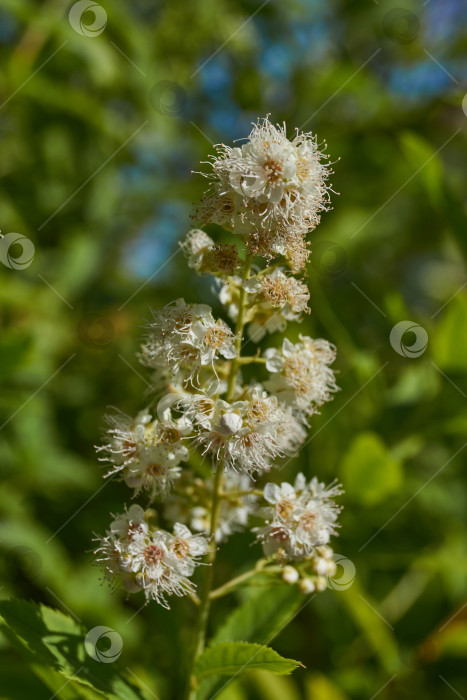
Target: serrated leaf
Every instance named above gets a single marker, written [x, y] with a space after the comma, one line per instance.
[66, 689]
[232, 658]
[53, 643]
[261, 616]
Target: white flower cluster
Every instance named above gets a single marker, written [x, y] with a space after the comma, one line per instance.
[235, 509]
[186, 337]
[205, 256]
[300, 518]
[271, 186]
[274, 299]
[219, 419]
[145, 452]
[155, 561]
[301, 375]
[245, 435]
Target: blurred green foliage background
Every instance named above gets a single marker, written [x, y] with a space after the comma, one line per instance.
[99, 137]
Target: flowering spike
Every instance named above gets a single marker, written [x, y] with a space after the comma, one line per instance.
[198, 451]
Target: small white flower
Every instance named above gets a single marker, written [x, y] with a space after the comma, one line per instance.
[146, 453]
[270, 190]
[129, 525]
[300, 519]
[205, 256]
[301, 375]
[158, 562]
[286, 177]
[195, 246]
[186, 337]
[246, 435]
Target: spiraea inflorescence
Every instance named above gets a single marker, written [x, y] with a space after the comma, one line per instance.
[205, 450]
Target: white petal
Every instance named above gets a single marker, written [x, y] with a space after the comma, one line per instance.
[274, 361]
[230, 423]
[272, 493]
[181, 530]
[287, 347]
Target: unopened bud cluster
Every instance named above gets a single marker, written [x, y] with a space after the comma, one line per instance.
[205, 419]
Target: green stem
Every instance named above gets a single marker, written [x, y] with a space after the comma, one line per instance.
[251, 360]
[205, 599]
[239, 333]
[233, 583]
[238, 494]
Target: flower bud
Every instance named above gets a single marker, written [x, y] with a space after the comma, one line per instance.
[322, 567]
[320, 584]
[290, 575]
[306, 586]
[325, 552]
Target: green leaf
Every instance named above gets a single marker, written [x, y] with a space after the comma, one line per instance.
[423, 156]
[449, 339]
[377, 631]
[66, 689]
[18, 682]
[53, 643]
[416, 382]
[231, 658]
[369, 471]
[320, 687]
[261, 616]
[271, 687]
